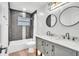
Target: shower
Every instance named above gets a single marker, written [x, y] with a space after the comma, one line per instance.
[20, 25]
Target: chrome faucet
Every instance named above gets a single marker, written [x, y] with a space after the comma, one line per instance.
[68, 36]
[48, 33]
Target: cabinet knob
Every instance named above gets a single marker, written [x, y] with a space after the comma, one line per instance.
[46, 52]
[52, 50]
[47, 44]
[42, 43]
[52, 46]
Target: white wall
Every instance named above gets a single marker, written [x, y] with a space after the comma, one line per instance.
[4, 24]
[0, 22]
[58, 28]
[35, 26]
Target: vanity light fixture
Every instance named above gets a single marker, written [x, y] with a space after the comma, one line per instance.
[54, 5]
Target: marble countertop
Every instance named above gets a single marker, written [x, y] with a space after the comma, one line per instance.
[63, 42]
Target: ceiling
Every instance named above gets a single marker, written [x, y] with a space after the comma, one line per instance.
[29, 7]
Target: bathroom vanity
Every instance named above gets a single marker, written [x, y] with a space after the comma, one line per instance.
[51, 46]
[52, 26]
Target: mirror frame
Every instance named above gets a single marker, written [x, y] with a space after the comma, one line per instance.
[61, 14]
[55, 21]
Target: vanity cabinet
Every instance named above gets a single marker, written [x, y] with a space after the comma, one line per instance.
[51, 49]
[77, 53]
[62, 51]
[39, 45]
[48, 48]
[45, 47]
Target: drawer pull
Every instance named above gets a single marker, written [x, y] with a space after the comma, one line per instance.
[47, 44]
[52, 46]
[52, 50]
[46, 52]
[42, 41]
[42, 44]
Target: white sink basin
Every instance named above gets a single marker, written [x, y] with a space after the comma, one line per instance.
[57, 38]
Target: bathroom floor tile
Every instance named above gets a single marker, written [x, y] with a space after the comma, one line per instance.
[23, 52]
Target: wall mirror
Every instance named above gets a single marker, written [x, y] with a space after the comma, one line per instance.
[51, 20]
[70, 16]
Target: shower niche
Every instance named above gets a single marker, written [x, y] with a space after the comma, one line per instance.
[23, 21]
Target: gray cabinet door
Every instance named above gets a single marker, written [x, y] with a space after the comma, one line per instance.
[62, 51]
[40, 44]
[44, 46]
[77, 53]
[47, 48]
[51, 49]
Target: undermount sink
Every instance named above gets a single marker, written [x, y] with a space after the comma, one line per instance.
[48, 37]
[56, 37]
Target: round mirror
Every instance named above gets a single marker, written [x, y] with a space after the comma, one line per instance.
[51, 20]
[70, 16]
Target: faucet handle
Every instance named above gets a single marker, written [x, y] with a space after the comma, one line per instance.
[74, 38]
[48, 33]
[68, 36]
[63, 36]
